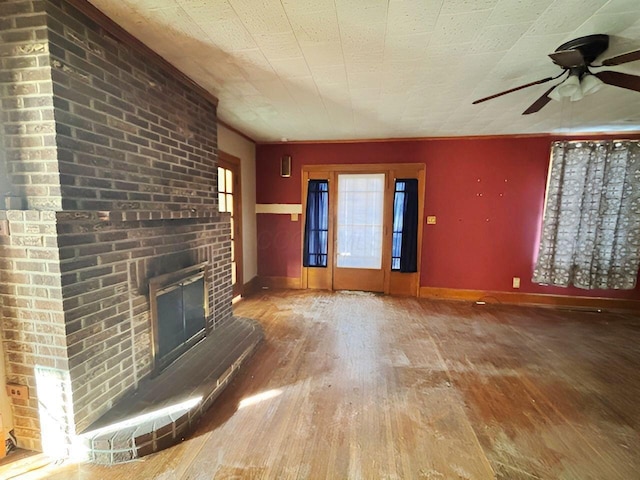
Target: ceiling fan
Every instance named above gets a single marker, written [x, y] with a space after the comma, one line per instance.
[575, 58]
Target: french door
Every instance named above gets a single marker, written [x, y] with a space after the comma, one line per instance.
[360, 232]
[229, 200]
[360, 228]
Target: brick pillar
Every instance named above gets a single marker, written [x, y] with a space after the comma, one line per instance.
[32, 317]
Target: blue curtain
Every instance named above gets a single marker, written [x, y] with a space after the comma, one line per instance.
[398, 214]
[404, 254]
[316, 226]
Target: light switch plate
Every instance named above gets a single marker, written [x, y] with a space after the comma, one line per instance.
[431, 220]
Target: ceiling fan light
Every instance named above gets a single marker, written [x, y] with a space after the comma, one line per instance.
[555, 95]
[569, 86]
[590, 84]
[577, 95]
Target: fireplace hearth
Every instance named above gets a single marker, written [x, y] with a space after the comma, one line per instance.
[165, 408]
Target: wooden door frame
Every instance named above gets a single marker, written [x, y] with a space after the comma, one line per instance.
[408, 283]
[320, 278]
[392, 172]
[228, 161]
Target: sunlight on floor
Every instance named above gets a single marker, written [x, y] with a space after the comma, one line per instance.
[259, 397]
[37, 467]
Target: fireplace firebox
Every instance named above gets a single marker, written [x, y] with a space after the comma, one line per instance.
[179, 312]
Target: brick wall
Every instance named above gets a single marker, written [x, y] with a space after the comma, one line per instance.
[32, 317]
[33, 330]
[129, 136]
[29, 152]
[119, 158]
[106, 263]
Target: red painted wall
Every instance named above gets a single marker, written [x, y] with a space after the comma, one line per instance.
[487, 195]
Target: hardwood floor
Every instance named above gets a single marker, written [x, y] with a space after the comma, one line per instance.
[356, 385]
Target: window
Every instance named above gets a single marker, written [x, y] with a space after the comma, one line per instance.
[404, 242]
[316, 227]
[229, 201]
[591, 227]
[360, 218]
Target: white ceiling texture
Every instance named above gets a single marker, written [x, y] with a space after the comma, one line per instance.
[368, 69]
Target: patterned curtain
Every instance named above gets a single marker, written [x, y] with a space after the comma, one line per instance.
[591, 227]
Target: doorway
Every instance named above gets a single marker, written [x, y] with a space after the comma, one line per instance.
[359, 232]
[230, 200]
[354, 245]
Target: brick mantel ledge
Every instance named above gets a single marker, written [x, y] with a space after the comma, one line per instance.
[136, 215]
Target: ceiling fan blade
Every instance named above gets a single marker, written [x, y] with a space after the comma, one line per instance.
[620, 59]
[568, 58]
[491, 97]
[539, 103]
[619, 79]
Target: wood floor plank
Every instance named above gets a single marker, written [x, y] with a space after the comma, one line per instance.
[361, 386]
[525, 385]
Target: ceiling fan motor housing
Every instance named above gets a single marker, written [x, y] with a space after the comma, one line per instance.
[591, 46]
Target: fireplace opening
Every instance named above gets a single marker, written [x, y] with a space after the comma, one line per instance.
[179, 311]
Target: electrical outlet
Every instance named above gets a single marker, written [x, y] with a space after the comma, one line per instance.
[516, 282]
[431, 220]
[18, 391]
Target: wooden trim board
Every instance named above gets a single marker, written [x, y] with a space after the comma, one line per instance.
[520, 298]
[487, 296]
[279, 208]
[251, 287]
[291, 283]
[550, 135]
[236, 131]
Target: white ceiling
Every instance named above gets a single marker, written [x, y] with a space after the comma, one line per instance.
[354, 69]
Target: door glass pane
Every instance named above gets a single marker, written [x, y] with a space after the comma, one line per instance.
[221, 202]
[220, 179]
[229, 181]
[360, 216]
[230, 203]
[234, 275]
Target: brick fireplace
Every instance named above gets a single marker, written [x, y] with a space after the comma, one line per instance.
[111, 161]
